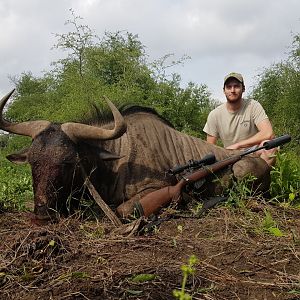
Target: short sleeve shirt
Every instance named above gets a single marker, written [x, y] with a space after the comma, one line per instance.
[232, 127]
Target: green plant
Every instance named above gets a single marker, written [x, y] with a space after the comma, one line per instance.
[240, 191]
[15, 188]
[178, 234]
[187, 270]
[285, 179]
[270, 226]
[278, 90]
[140, 278]
[73, 275]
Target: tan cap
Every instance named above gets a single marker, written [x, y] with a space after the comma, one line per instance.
[237, 76]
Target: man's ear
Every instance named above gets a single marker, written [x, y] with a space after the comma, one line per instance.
[19, 157]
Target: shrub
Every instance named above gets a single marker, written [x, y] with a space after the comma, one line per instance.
[285, 179]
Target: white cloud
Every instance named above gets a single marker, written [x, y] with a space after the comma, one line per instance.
[219, 35]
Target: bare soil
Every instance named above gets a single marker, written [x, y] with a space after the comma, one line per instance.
[82, 259]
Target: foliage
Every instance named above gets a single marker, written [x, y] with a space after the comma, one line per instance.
[16, 185]
[240, 191]
[285, 179]
[15, 188]
[140, 278]
[15, 193]
[278, 90]
[186, 108]
[186, 270]
[270, 226]
[116, 66]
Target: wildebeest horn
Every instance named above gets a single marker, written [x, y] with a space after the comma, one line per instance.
[30, 128]
[78, 131]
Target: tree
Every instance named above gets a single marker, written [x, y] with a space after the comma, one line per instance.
[115, 65]
[278, 89]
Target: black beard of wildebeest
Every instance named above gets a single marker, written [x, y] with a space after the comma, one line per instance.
[126, 158]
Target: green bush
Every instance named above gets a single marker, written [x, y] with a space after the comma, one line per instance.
[15, 188]
[285, 179]
[15, 180]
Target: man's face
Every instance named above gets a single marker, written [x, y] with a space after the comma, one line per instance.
[233, 90]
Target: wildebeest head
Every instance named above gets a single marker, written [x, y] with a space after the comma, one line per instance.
[54, 157]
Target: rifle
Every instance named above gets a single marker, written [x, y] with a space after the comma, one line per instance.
[154, 201]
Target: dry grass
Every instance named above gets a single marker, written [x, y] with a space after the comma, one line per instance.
[77, 259]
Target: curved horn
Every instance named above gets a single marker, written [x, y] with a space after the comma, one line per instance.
[30, 128]
[78, 131]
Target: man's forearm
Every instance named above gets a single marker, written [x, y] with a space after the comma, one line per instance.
[254, 140]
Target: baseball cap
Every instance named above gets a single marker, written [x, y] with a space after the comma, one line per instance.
[237, 76]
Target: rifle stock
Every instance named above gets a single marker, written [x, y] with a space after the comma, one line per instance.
[154, 201]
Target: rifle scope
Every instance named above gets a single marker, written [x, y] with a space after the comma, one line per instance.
[206, 160]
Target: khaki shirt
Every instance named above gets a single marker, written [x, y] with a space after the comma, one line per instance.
[232, 127]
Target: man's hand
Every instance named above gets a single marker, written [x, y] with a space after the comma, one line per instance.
[268, 155]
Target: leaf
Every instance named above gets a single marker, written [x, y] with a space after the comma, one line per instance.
[52, 243]
[275, 231]
[78, 274]
[143, 277]
[180, 228]
[292, 196]
[295, 292]
[133, 292]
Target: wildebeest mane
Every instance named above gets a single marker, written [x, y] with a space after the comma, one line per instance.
[102, 116]
[132, 109]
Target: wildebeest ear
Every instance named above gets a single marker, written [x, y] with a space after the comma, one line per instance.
[18, 158]
[106, 155]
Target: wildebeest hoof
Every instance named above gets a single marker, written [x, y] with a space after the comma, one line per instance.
[41, 220]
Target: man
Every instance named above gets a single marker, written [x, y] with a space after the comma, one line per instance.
[239, 123]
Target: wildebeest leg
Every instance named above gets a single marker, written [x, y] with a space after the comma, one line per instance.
[256, 167]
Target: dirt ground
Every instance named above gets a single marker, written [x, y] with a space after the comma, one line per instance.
[76, 259]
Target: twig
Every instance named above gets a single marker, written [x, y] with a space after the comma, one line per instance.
[75, 294]
[106, 209]
[16, 253]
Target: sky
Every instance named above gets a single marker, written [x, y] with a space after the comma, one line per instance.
[219, 36]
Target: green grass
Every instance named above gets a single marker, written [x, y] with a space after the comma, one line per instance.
[285, 179]
[15, 180]
[15, 187]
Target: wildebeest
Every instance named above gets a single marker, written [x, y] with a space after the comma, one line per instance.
[126, 158]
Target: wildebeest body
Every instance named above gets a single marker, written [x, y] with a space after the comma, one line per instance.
[148, 149]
